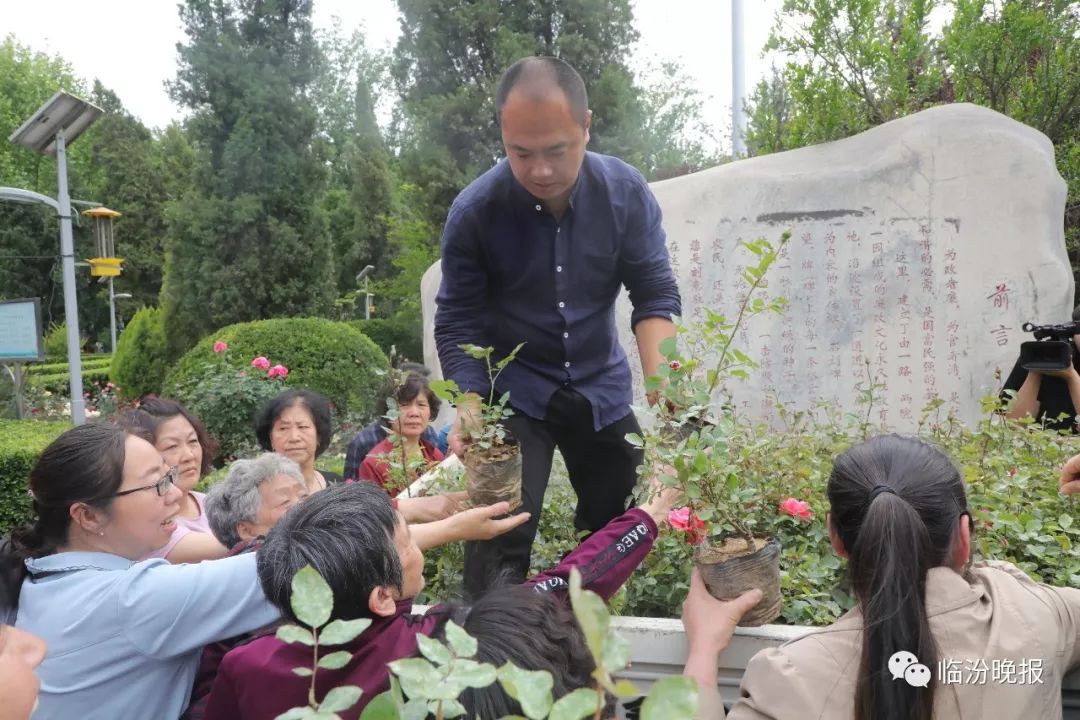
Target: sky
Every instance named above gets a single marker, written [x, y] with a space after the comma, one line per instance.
[130, 45]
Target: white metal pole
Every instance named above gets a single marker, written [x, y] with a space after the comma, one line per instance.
[71, 304]
[367, 301]
[738, 81]
[112, 317]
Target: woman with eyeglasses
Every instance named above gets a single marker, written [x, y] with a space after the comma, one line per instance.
[123, 636]
[185, 444]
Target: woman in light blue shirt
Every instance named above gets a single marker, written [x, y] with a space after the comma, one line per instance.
[123, 636]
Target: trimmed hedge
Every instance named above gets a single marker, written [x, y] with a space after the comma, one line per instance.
[21, 441]
[142, 356]
[330, 357]
[404, 333]
[60, 382]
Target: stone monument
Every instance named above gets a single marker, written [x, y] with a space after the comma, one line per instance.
[918, 250]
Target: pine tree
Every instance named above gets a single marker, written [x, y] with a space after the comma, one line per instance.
[248, 241]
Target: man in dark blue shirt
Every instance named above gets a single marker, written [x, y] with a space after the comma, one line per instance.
[535, 250]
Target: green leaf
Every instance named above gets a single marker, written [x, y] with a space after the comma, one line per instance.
[415, 709]
[579, 704]
[340, 698]
[295, 634]
[302, 672]
[433, 650]
[382, 707]
[1065, 521]
[616, 653]
[450, 708]
[591, 613]
[635, 440]
[463, 645]
[335, 661]
[671, 697]
[668, 347]
[312, 600]
[297, 713]
[416, 675]
[624, 690]
[473, 674]
[531, 688]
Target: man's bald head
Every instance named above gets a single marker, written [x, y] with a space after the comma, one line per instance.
[539, 77]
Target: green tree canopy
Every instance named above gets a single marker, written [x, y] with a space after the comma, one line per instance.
[248, 241]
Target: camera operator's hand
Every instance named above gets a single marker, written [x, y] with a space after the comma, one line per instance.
[1068, 374]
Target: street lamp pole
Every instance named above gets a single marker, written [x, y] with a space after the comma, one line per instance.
[71, 305]
[56, 123]
[112, 313]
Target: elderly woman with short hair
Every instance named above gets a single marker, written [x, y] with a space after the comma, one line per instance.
[253, 497]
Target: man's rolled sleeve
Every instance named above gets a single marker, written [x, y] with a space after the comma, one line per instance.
[644, 263]
[461, 303]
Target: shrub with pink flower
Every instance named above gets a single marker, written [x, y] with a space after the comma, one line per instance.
[797, 508]
[260, 363]
[278, 371]
[221, 346]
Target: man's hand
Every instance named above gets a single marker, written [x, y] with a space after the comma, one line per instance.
[431, 507]
[484, 523]
[1069, 483]
[466, 421]
[710, 623]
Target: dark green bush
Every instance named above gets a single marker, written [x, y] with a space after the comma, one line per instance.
[21, 441]
[403, 333]
[142, 357]
[330, 357]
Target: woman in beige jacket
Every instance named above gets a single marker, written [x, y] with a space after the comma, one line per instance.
[932, 635]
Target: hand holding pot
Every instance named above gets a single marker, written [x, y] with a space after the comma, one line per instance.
[1069, 483]
[484, 523]
[466, 420]
[431, 507]
[709, 622]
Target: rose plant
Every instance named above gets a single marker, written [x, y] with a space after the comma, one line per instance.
[226, 398]
[687, 440]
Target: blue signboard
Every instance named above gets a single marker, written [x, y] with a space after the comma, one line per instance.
[20, 331]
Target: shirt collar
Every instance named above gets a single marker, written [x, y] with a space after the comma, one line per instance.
[70, 561]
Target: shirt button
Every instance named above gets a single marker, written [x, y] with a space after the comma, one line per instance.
[566, 335]
[562, 304]
[558, 268]
[538, 208]
[566, 364]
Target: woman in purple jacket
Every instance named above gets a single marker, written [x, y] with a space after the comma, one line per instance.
[362, 547]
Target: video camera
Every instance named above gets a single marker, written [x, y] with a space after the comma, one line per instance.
[1052, 348]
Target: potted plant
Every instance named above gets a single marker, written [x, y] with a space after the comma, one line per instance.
[686, 439]
[492, 457]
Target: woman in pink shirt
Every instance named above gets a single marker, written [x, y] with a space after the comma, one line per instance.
[184, 444]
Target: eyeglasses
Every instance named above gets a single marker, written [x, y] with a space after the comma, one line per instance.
[161, 486]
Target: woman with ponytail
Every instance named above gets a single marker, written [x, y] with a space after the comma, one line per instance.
[898, 514]
[123, 636]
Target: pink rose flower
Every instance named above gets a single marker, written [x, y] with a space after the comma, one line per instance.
[278, 371]
[675, 365]
[221, 346]
[797, 508]
[260, 363]
[689, 523]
